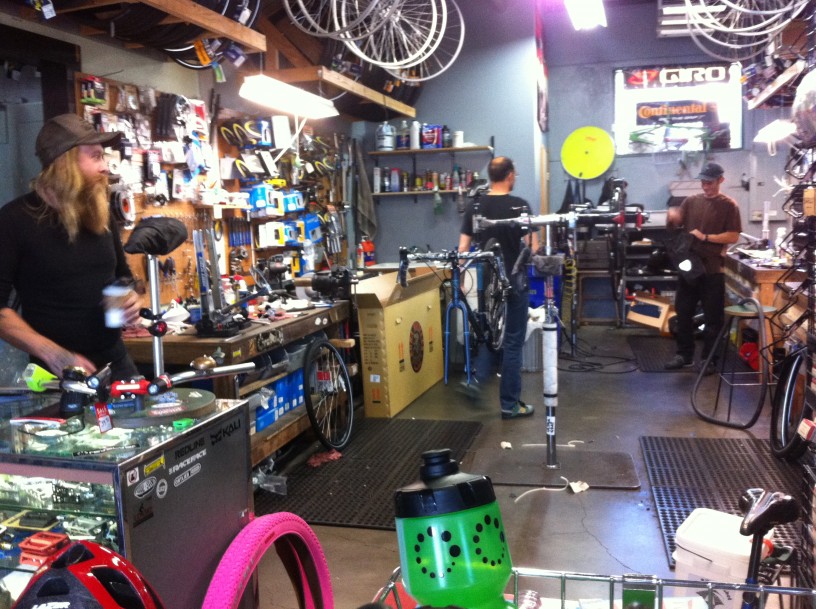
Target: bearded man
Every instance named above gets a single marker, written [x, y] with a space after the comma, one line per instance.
[58, 251]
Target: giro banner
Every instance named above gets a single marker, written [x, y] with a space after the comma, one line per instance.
[678, 108]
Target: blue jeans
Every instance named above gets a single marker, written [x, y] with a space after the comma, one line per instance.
[514, 334]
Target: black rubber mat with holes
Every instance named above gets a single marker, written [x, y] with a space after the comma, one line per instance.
[690, 473]
[358, 489]
[652, 352]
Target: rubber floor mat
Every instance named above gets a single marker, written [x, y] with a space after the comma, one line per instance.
[358, 489]
[690, 473]
[652, 352]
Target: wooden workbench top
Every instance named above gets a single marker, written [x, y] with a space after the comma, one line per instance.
[181, 349]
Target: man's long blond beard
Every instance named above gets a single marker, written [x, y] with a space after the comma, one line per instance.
[79, 202]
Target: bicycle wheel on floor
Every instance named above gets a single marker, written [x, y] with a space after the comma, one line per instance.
[328, 394]
[788, 408]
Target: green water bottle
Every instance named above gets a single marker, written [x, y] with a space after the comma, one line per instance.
[453, 549]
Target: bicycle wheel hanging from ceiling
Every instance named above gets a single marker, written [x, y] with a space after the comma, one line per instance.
[740, 31]
[447, 51]
[349, 27]
[320, 18]
[407, 36]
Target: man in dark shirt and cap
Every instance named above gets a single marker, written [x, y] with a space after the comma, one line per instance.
[713, 219]
[59, 250]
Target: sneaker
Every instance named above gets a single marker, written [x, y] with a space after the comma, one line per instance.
[519, 410]
[677, 362]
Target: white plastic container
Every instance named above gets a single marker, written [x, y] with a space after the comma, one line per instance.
[413, 137]
[710, 548]
[386, 136]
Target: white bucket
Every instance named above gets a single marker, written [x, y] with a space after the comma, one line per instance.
[710, 548]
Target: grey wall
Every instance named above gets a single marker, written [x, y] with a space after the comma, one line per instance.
[488, 92]
[581, 66]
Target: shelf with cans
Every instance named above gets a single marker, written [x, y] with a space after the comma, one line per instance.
[403, 178]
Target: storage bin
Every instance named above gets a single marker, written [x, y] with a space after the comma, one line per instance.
[710, 548]
[532, 359]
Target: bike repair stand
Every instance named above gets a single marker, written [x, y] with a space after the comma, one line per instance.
[523, 466]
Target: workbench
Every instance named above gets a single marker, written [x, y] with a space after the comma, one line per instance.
[259, 337]
[747, 277]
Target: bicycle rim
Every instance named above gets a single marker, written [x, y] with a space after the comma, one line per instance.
[789, 410]
[405, 36]
[496, 305]
[447, 51]
[329, 402]
[298, 547]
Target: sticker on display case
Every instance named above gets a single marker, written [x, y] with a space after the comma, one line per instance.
[374, 378]
[149, 468]
[132, 476]
[144, 513]
[145, 487]
[225, 431]
[186, 475]
[161, 489]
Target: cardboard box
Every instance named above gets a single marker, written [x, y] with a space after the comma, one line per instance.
[651, 311]
[400, 339]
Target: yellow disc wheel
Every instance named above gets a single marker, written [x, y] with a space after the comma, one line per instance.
[587, 152]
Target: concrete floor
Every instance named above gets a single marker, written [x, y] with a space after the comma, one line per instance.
[604, 402]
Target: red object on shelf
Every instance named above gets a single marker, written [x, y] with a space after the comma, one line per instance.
[36, 549]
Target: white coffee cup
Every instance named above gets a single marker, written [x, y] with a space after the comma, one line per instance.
[458, 139]
[114, 298]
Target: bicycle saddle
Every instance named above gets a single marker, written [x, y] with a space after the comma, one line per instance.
[764, 510]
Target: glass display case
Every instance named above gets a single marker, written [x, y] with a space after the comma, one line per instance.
[170, 498]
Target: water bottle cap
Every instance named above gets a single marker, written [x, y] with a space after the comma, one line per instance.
[442, 489]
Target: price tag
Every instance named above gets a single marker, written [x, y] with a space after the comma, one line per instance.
[103, 418]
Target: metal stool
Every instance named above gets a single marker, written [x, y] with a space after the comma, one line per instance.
[740, 411]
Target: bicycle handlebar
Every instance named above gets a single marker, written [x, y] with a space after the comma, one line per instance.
[451, 256]
[166, 382]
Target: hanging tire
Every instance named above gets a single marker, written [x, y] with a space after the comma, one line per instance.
[789, 408]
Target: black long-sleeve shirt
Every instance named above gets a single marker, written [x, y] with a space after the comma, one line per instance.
[59, 284]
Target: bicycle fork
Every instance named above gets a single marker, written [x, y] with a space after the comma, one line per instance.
[461, 306]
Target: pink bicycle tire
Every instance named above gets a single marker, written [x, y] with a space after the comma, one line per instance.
[295, 540]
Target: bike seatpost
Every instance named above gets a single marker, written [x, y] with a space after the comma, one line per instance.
[763, 511]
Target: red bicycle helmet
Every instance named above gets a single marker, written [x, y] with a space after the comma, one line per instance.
[87, 575]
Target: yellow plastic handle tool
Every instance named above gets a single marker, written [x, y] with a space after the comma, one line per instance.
[36, 377]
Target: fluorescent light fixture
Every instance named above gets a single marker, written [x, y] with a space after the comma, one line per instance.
[276, 95]
[775, 131]
[586, 14]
